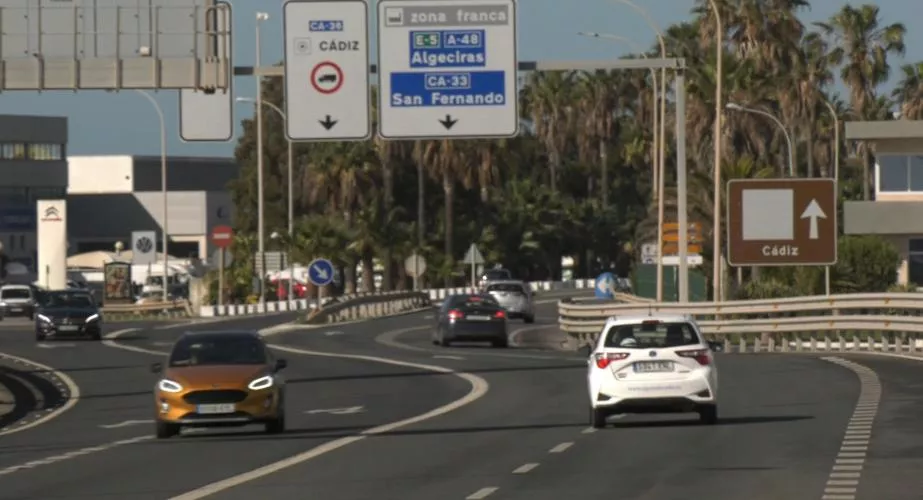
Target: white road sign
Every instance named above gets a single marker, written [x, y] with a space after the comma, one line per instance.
[447, 69]
[327, 70]
[210, 117]
[143, 247]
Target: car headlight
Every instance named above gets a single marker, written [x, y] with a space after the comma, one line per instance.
[261, 383]
[92, 318]
[167, 385]
[2, 304]
[44, 318]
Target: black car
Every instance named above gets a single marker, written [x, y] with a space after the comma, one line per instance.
[471, 317]
[67, 313]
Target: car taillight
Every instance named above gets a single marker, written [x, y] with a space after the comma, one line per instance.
[500, 314]
[456, 314]
[604, 358]
[700, 355]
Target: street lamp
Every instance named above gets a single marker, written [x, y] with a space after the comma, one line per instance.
[163, 187]
[291, 199]
[261, 230]
[717, 282]
[661, 186]
[788, 138]
[836, 173]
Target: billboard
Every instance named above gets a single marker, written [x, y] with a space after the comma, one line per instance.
[52, 244]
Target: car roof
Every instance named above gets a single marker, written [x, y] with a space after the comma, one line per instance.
[629, 319]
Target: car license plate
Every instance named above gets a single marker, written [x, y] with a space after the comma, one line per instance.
[653, 366]
[16, 309]
[479, 318]
[215, 409]
[68, 328]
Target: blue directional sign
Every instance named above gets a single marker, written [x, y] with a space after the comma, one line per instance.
[605, 286]
[448, 69]
[320, 272]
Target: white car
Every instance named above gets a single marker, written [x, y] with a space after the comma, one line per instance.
[652, 364]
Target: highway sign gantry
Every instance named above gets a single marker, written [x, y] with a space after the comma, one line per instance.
[327, 96]
[782, 222]
[320, 272]
[447, 69]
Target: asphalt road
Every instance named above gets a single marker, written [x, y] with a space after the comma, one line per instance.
[517, 427]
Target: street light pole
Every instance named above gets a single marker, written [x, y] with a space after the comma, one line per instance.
[836, 175]
[291, 198]
[788, 138]
[163, 188]
[717, 281]
[261, 230]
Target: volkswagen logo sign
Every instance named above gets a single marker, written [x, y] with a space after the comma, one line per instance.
[144, 245]
[653, 354]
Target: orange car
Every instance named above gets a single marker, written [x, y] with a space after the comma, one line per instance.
[219, 379]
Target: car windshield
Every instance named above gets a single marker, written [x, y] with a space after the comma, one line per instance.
[497, 274]
[218, 351]
[15, 293]
[472, 301]
[57, 299]
[505, 287]
[651, 334]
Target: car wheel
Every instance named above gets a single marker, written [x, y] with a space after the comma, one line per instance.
[501, 343]
[708, 414]
[276, 425]
[39, 337]
[166, 430]
[96, 336]
[442, 340]
[529, 318]
[597, 418]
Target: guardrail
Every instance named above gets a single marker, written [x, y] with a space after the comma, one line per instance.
[435, 294]
[881, 322]
[368, 306]
[177, 308]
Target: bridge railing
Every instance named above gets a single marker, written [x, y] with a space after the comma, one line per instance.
[888, 322]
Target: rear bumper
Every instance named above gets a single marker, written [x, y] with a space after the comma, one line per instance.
[471, 330]
[668, 396]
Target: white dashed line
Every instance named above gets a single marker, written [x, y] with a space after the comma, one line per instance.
[73, 454]
[481, 493]
[458, 358]
[588, 430]
[561, 447]
[522, 469]
[843, 482]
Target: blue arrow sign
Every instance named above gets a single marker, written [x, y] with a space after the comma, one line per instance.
[605, 286]
[320, 272]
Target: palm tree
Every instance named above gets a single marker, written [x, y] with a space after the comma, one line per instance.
[909, 91]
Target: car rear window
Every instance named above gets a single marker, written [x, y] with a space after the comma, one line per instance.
[505, 287]
[472, 301]
[15, 293]
[651, 334]
[67, 299]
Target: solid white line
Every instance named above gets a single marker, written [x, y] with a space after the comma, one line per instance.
[110, 341]
[561, 447]
[522, 469]
[479, 388]
[588, 430]
[72, 389]
[481, 493]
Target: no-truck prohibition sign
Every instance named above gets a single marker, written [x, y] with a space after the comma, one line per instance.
[327, 77]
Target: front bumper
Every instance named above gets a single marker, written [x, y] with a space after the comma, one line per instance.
[254, 407]
[20, 310]
[51, 330]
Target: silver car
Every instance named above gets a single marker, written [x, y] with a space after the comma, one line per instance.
[515, 297]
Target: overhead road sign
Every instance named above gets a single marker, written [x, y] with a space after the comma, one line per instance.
[327, 87]
[448, 69]
[209, 117]
[782, 222]
[320, 272]
[143, 247]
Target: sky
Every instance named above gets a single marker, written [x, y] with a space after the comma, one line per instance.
[102, 123]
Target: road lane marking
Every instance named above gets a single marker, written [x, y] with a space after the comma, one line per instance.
[109, 340]
[46, 345]
[126, 423]
[523, 469]
[441, 356]
[337, 411]
[73, 454]
[481, 493]
[843, 485]
[70, 399]
[561, 447]
[479, 388]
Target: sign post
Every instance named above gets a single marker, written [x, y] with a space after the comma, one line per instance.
[222, 237]
[782, 222]
[447, 69]
[327, 87]
[474, 258]
[320, 272]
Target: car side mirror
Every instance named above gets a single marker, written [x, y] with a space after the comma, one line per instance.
[716, 346]
[280, 364]
[156, 367]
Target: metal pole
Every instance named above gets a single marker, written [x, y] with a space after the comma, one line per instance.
[261, 230]
[163, 188]
[717, 281]
[679, 86]
[836, 176]
[220, 277]
[291, 221]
